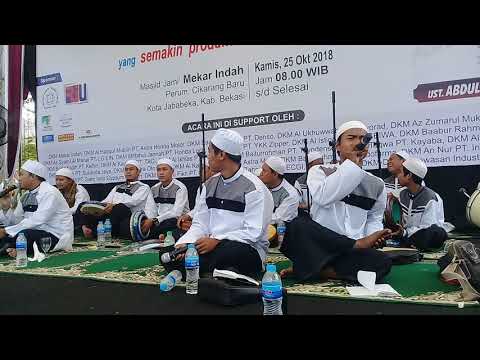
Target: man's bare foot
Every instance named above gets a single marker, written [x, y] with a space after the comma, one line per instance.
[374, 240]
[286, 272]
[12, 252]
[87, 232]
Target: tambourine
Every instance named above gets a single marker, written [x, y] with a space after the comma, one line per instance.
[94, 208]
[393, 213]
[473, 208]
[136, 226]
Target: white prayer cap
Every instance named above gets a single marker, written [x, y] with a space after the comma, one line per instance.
[277, 164]
[257, 172]
[403, 154]
[34, 167]
[350, 125]
[166, 162]
[134, 163]
[228, 140]
[314, 155]
[416, 166]
[65, 172]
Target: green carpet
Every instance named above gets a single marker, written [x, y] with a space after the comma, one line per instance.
[417, 278]
[69, 259]
[124, 263]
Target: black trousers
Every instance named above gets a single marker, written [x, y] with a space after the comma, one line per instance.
[163, 227]
[227, 255]
[119, 217]
[312, 247]
[428, 239]
[32, 236]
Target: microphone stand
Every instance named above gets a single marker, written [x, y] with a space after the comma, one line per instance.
[202, 155]
[379, 156]
[333, 142]
[305, 150]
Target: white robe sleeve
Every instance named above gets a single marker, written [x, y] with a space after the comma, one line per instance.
[181, 201]
[138, 196]
[375, 214]
[429, 218]
[109, 198]
[200, 223]
[300, 192]
[80, 196]
[287, 210]
[253, 218]
[326, 190]
[43, 214]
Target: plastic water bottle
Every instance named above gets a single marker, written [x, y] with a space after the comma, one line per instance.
[281, 228]
[107, 230]
[21, 248]
[272, 292]
[169, 281]
[192, 267]
[100, 235]
[169, 239]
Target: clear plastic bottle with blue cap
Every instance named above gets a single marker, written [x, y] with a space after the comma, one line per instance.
[169, 281]
[107, 230]
[272, 291]
[192, 268]
[100, 235]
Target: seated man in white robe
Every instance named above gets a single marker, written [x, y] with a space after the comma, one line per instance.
[347, 212]
[229, 229]
[75, 194]
[171, 199]
[285, 196]
[44, 213]
[394, 167]
[422, 212]
[314, 158]
[122, 201]
[8, 204]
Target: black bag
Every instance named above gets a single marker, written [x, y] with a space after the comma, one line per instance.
[461, 264]
[231, 292]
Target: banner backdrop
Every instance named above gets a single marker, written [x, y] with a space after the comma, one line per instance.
[99, 106]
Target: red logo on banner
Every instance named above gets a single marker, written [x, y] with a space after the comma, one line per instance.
[76, 93]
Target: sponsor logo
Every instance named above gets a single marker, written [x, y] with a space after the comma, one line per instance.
[75, 93]
[49, 79]
[46, 122]
[50, 98]
[66, 121]
[87, 134]
[66, 137]
[47, 138]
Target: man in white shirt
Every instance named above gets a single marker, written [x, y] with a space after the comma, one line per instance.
[171, 199]
[7, 205]
[229, 229]
[346, 217]
[394, 166]
[74, 194]
[285, 196]
[314, 158]
[44, 213]
[422, 217]
[122, 201]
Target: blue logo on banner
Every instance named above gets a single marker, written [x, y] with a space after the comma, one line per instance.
[49, 79]
[47, 138]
